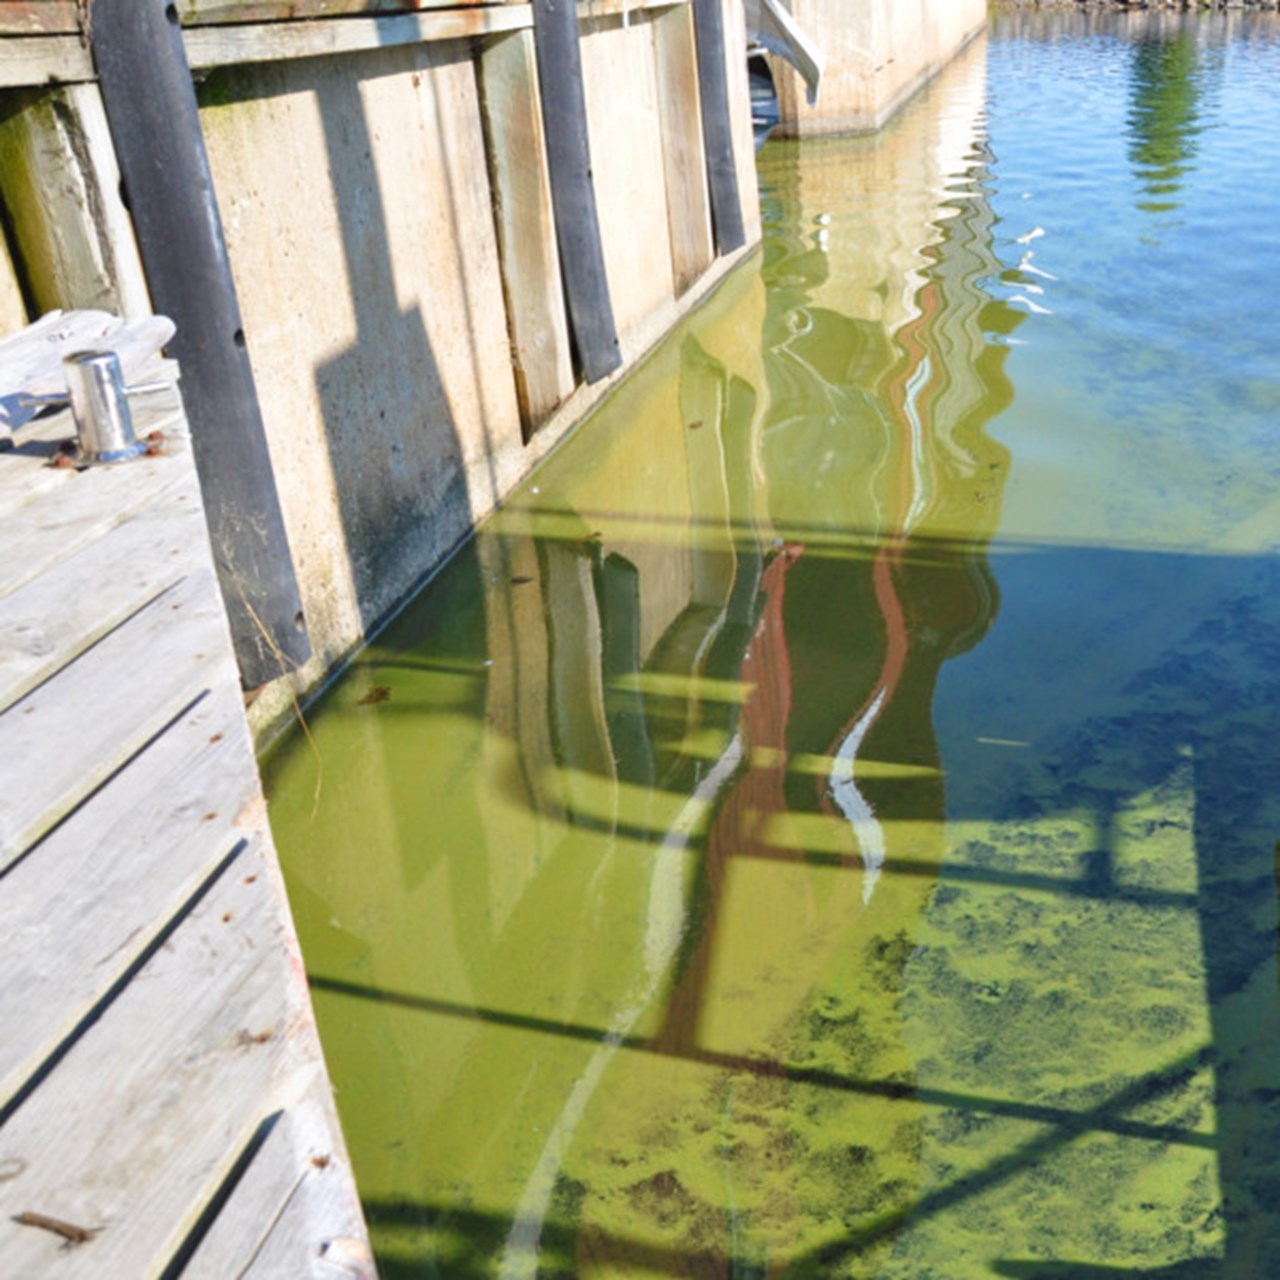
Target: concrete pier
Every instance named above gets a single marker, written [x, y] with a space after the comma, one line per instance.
[394, 239]
[876, 54]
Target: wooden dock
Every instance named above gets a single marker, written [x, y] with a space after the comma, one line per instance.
[164, 1108]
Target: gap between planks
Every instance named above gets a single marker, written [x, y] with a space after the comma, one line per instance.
[52, 618]
[209, 1039]
[79, 912]
[142, 675]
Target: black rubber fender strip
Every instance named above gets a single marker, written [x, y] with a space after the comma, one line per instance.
[155, 127]
[717, 127]
[573, 197]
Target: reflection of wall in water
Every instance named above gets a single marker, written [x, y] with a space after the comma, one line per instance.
[882, 577]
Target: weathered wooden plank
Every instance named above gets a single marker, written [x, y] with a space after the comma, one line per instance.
[196, 12]
[153, 1008]
[528, 254]
[137, 679]
[53, 17]
[51, 514]
[230, 32]
[36, 60]
[61, 191]
[271, 1227]
[13, 306]
[683, 156]
[215, 46]
[53, 618]
[78, 913]
[203, 1045]
[37, 17]
[625, 9]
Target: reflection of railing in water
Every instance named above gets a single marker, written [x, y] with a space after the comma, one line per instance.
[914, 375]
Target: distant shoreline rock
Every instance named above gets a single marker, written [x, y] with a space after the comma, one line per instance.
[1183, 6]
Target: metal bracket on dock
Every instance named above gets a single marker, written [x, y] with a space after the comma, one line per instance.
[99, 401]
[776, 29]
[155, 126]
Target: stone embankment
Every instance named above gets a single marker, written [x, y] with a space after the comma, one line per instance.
[1185, 6]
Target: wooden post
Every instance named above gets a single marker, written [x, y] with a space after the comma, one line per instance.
[13, 306]
[531, 279]
[684, 157]
[61, 186]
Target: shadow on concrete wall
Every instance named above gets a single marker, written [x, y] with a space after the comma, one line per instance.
[393, 441]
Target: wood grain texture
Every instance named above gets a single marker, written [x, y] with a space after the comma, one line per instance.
[51, 514]
[528, 252]
[154, 1017]
[69, 736]
[37, 60]
[51, 619]
[37, 17]
[197, 12]
[217, 46]
[268, 1228]
[54, 17]
[202, 1050]
[228, 32]
[683, 155]
[62, 200]
[79, 911]
[63, 601]
[58, 17]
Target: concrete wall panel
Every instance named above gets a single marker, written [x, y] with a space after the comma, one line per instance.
[877, 53]
[391, 242]
[358, 217]
[621, 86]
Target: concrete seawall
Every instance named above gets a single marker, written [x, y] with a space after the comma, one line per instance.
[382, 180]
[876, 54]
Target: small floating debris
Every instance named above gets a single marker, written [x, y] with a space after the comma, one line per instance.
[379, 693]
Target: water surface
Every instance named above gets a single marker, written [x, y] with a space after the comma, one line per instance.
[826, 824]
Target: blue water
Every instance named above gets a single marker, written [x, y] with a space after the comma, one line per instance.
[827, 823]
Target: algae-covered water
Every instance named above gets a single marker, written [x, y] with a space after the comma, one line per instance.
[826, 824]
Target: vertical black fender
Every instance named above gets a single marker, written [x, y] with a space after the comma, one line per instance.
[573, 197]
[155, 126]
[717, 127]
